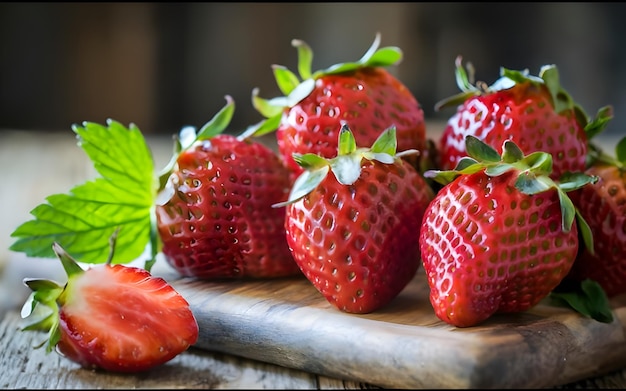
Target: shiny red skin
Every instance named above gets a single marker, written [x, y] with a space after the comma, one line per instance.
[122, 319]
[369, 100]
[357, 244]
[524, 114]
[488, 248]
[220, 223]
[603, 206]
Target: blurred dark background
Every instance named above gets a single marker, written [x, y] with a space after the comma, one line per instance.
[166, 65]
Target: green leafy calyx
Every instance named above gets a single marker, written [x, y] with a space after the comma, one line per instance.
[122, 197]
[41, 310]
[548, 77]
[189, 136]
[346, 166]
[533, 176]
[297, 87]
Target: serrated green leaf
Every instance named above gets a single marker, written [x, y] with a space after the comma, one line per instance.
[83, 219]
[114, 149]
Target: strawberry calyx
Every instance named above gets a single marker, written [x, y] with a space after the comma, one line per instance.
[297, 87]
[533, 172]
[346, 166]
[189, 136]
[41, 309]
[598, 155]
[548, 76]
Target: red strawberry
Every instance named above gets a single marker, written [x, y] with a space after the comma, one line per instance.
[352, 233]
[218, 220]
[534, 112]
[113, 317]
[603, 205]
[500, 234]
[362, 94]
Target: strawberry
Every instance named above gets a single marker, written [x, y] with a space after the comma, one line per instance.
[216, 219]
[534, 112]
[499, 235]
[352, 232]
[362, 94]
[113, 317]
[603, 205]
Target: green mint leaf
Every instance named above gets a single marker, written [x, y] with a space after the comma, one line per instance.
[83, 220]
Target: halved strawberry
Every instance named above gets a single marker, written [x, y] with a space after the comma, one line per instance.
[113, 317]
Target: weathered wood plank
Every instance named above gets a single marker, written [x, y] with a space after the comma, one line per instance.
[287, 322]
[23, 367]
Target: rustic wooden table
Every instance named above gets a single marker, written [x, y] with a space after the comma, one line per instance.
[37, 164]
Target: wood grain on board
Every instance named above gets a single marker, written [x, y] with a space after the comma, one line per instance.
[288, 323]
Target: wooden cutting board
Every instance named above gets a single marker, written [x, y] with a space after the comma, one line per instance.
[287, 322]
